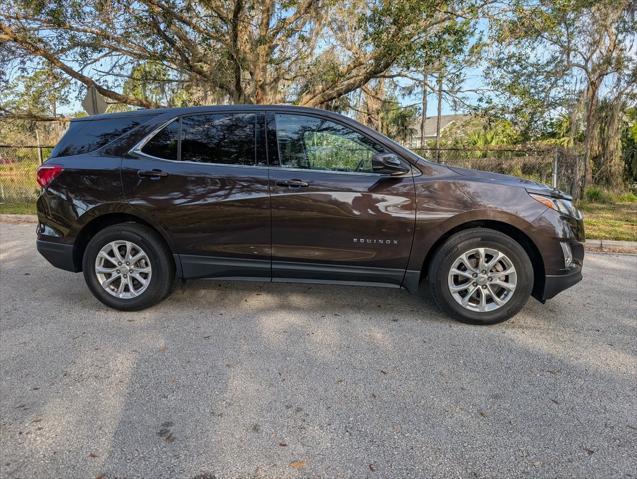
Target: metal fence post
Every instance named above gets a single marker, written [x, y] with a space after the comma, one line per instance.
[555, 168]
[37, 138]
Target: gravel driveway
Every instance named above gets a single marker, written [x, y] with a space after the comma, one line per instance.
[258, 380]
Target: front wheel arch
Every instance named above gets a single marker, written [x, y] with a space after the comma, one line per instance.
[516, 234]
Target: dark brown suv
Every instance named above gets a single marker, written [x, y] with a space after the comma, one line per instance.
[281, 193]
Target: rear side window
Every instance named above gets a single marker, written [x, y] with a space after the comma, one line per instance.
[226, 139]
[165, 143]
[215, 138]
[88, 135]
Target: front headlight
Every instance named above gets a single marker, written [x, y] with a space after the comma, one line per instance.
[560, 205]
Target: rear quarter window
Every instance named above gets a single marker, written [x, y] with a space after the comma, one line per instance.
[89, 135]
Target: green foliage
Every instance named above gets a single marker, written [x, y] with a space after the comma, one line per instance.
[41, 92]
[151, 82]
[398, 122]
[558, 131]
[547, 64]
[496, 133]
[562, 71]
[480, 132]
[596, 194]
[311, 52]
[629, 144]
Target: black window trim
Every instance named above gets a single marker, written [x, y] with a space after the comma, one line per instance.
[268, 127]
[137, 149]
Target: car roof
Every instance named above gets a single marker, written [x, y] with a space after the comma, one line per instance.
[203, 109]
[155, 116]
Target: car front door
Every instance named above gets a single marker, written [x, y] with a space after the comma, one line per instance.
[203, 179]
[333, 217]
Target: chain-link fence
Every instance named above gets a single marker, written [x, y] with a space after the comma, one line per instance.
[552, 166]
[18, 187]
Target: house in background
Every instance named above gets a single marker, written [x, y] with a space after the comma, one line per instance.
[430, 127]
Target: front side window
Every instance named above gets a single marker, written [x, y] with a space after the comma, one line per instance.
[219, 138]
[214, 138]
[317, 144]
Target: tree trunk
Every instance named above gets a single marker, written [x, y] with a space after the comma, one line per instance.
[591, 104]
[439, 115]
[423, 119]
[571, 155]
[610, 167]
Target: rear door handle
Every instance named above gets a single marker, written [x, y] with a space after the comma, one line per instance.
[293, 183]
[152, 173]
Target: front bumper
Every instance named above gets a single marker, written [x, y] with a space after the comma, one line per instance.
[558, 237]
[559, 280]
[59, 255]
[556, 283]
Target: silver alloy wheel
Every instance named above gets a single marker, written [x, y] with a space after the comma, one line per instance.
[482, 279]
[123, 269]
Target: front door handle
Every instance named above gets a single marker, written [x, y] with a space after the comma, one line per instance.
[293, 183]
[152, 173]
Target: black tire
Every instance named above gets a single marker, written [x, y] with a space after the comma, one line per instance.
[462, 242]
[161, 262]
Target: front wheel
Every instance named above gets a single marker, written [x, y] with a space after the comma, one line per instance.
[481, 276]
[128, 267]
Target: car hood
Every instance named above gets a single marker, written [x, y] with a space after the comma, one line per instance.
[529, 185]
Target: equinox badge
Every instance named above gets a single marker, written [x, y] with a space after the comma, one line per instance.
[375, 241]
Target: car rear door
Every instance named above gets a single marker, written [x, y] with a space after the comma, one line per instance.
[203, 179]
[333, 218]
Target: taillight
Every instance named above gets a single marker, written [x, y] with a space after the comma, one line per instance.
[47, 173]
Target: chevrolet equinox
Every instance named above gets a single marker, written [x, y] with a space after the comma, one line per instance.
[279, 193]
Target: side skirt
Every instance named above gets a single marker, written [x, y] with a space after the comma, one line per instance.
[289, 271]
[196, 266]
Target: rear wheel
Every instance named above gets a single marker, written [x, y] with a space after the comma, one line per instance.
[127, 266]
[481, 276]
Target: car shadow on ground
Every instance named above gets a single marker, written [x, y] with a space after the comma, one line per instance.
[243, 380]
[328, 298]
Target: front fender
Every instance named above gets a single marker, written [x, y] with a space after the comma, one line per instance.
[429, 233]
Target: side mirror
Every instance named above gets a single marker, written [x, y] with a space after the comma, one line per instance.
[389, 164]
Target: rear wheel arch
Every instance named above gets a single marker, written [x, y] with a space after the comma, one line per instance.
[513, 232]
[98, 223]
[114, 252]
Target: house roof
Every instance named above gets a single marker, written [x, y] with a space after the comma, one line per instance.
[445, 121]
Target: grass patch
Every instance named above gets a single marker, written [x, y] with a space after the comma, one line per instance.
[629, 197]
[595, 194]
[617, 221]
[18, 208]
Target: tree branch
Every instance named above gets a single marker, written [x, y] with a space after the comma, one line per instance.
[8, 34]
